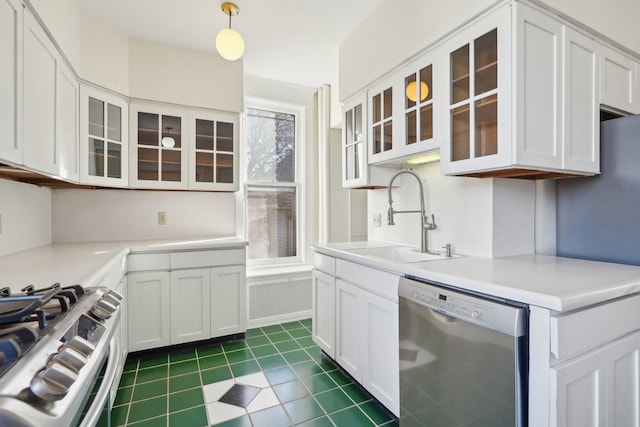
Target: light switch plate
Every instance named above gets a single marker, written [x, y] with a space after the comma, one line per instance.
[377, 220]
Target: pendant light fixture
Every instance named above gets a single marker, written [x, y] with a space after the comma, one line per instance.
[229, 42]
[412, 91]
[167, 141]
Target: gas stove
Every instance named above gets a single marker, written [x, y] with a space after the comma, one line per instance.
[54, 343]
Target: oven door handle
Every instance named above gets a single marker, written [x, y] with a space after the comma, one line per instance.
[94, 412]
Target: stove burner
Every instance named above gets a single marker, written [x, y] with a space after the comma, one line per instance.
[26, 317]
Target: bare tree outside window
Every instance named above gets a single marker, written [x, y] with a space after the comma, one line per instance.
[271, 184]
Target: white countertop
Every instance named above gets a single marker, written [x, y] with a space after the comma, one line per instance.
[86, 263]
[560, 284]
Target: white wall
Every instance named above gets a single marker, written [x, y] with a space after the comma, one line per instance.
[480, 217]
[165, 73]
[25, 212]
[112, 215]
[105, 55]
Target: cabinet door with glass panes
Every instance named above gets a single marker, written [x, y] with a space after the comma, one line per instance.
[382, 120]
[104, 147]
[417, 113]
[354, 137]
[159, 157]
[477, 103]
[213, 158]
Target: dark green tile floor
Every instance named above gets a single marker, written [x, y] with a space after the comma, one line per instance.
[167, 389]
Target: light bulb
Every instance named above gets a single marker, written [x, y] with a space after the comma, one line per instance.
[230, 44]
[168, 142]
[412, 89]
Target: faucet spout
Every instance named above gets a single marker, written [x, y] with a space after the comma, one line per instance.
[425, 225]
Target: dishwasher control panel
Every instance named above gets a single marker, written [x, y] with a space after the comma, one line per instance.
[452, 305]
[477, 309]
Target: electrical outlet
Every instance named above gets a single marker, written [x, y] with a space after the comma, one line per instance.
[162, 218]
[377, 220]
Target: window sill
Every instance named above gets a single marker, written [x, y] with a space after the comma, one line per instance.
[263, 271]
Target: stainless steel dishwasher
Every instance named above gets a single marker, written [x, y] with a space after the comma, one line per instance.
[463, 358]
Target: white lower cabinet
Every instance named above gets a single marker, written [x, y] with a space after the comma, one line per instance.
[228, 300]
[323, 321]
[600, 388]
[149, 310]
[181, 304]
[355, 321]
[349, 328]
[190, 309]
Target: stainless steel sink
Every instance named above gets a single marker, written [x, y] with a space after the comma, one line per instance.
[399, 254]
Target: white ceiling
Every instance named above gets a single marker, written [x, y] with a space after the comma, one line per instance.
[293, 41]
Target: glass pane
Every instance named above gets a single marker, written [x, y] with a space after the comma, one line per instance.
[204, 135]
[172, 127]
[377, 108]
[171, 165]
[224, 168]
[377, 139]
[487, 126]
[114, 120]
[351, 164]
[460, 144]
[148, 129]
[204, 167]
[426, 86]
[358, 122]
[460, 74]
[486, 62]
[271, 223]
[388, 136]
[388, 103]
[96, 117]
[96, 157]
[411, 91]
[426, 122]
[224, 141]
[356, 172]
[148, 164]
[411, 127]
[114, 160]
[270, 146]
[348, 122]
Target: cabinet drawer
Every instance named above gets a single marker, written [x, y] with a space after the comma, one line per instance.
[324, 263]
[213, 258]
[148, 262]
[576, 332]
[372, 280]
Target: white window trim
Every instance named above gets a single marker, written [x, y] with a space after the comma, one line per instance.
[299, 112]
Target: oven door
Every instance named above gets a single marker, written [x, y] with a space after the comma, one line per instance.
[98, 407]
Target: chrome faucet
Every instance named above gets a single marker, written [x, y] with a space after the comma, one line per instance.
[426, 226]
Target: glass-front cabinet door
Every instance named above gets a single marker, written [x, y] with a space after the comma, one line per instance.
[158, 158]
[380, 103]
[478, 76]
[354, 137]
[104, 133]
[213, 159]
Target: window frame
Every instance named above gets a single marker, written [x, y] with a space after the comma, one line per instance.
[298, 111]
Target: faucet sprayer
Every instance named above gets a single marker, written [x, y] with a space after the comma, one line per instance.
[424, 223]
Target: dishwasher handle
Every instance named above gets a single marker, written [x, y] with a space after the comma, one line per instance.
[480, 310]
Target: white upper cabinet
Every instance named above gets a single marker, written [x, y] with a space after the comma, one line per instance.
[619, 81]
[67, 115]
[180, 148]
[213, 151]
[533, 114]
[10, 78]
[40, 60]
[158, 147]
[104, 148]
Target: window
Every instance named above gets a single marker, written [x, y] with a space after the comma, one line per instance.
[273, 185]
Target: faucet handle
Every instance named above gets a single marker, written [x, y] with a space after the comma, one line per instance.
[447, 249]
[430, 225]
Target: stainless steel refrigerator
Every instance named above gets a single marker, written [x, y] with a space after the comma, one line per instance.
[598, 218]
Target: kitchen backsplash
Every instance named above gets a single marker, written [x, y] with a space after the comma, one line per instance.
[25, 216]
